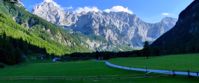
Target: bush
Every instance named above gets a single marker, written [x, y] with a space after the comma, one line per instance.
[2, 65]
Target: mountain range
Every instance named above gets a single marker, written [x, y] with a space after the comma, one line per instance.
[26, 36]
[115, 28]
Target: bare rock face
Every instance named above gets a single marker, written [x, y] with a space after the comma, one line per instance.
[116, 27]
[52, 12]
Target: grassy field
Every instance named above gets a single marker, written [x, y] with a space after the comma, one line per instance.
[171, 62]
[79, 68]
[80, 72]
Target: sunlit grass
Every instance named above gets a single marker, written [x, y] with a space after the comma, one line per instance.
[172, 62]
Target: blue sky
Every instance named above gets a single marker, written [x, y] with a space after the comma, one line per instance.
[148, 10]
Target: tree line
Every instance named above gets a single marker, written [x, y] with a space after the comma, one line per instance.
[14, 51]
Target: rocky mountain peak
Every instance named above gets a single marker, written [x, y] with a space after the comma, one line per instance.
[117, 25]
[51, 11]
[168, 20]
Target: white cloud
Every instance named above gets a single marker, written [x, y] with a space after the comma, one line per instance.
[118, 9]
[48, 0]
[166, 14]
[86, 9]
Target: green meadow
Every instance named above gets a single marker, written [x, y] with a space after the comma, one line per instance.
[81, 72]
[182, 62]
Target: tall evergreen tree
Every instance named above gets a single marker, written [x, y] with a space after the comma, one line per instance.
[146, 49]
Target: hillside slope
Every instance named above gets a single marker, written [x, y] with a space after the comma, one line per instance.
[184, 37]
[60, 41]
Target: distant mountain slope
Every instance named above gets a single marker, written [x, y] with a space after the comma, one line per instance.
[118, 28]
[184, 37]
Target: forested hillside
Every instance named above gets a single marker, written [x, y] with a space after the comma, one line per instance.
[23, 33]
[184, 37]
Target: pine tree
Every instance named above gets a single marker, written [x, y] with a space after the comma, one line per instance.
[146, 49]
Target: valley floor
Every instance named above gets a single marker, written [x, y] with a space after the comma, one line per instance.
[83, 72]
